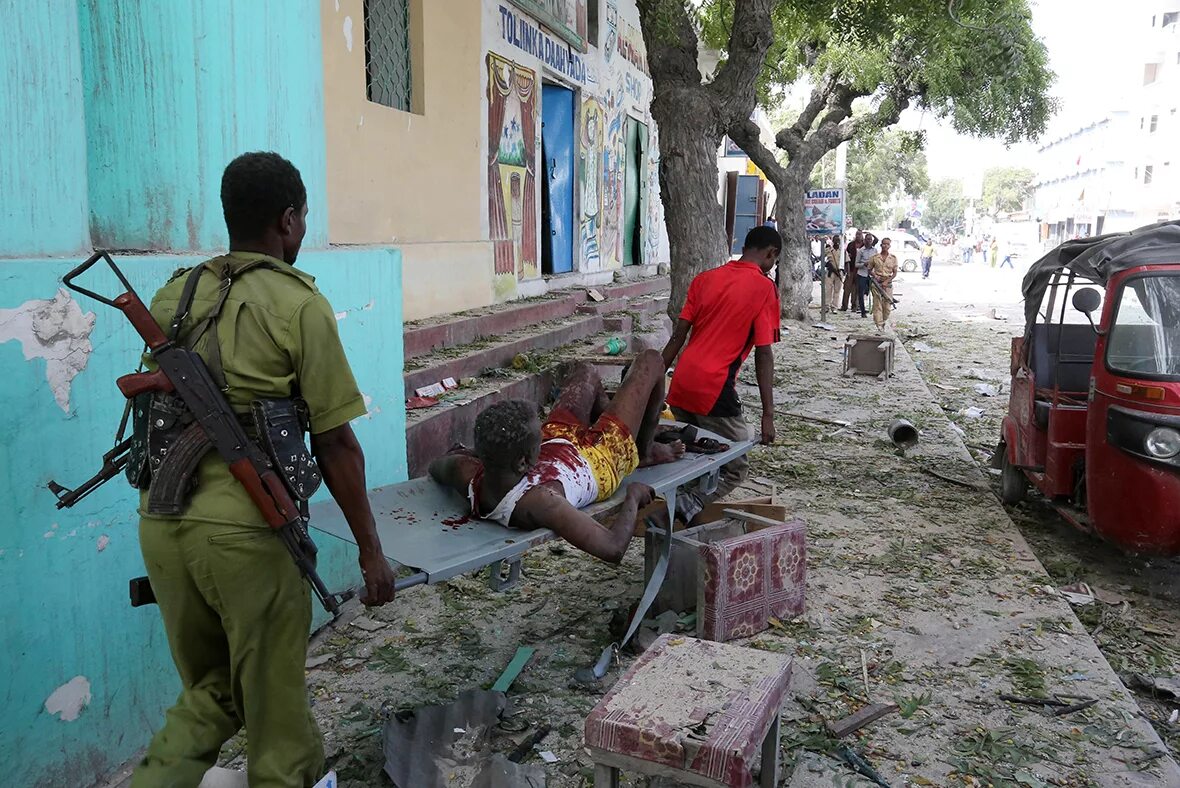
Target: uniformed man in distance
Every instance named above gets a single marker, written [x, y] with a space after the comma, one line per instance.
[236, 610]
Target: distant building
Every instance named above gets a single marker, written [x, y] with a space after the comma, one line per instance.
[1084, 183]
[1120, 170]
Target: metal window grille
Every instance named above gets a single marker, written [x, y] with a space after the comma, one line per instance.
[388, 72]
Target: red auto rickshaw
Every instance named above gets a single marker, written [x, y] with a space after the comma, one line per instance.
[1094, 410]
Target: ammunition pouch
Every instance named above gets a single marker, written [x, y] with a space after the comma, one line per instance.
[175, 446]
[138, 475]
[281, 425]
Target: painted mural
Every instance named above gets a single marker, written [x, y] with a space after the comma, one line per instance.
[654, 221]
[610, 43]
[590, 164]
[512, 156]
[614, 150]
[567, 18]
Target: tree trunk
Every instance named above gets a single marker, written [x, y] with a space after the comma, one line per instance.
[688, 187]
[794, 278]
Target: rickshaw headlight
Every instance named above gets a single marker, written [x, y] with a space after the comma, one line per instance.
[1163, 443]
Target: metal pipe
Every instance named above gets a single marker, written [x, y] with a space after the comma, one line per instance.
[903, 434]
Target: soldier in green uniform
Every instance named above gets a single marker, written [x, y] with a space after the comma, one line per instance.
[235, 607]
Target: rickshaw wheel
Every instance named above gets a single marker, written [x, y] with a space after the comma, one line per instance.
[1013, 484]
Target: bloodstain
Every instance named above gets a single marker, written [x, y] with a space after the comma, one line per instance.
[457, 521]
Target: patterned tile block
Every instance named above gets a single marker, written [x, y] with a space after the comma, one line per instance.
[745, 580]
[693, 705]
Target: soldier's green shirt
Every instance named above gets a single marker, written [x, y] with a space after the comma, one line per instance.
[278, 338]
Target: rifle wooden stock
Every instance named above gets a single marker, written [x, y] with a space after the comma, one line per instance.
[140, 382]
[139, 316]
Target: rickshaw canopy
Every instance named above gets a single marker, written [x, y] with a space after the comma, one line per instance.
[1101, 257]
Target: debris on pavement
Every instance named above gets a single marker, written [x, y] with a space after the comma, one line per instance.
[1158, 685]
[854, 722]
[419, 403]
[423, 749]
[986, 390]
[315, 662]
[971, 413]
[368, 624]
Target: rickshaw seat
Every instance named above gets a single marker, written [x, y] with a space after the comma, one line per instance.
[1061, 356]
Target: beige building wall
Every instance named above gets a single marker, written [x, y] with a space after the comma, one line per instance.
[412, 179]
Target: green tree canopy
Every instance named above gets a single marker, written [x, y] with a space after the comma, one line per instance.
[945, 206]
[1005, 189]
[878, 166]
[975, 64]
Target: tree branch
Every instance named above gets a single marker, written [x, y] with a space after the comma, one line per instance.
[749, 40]
[791, 138]
[671, 41]
[747, 136]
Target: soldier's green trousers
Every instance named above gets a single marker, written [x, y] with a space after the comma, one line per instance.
[237, 614]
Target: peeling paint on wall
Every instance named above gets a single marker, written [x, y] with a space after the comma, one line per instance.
[55, 330]
[69, 699]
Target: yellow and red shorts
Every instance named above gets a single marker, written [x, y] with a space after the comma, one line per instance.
[607, 446]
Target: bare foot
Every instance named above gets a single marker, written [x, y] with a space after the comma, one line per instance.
[661, 453]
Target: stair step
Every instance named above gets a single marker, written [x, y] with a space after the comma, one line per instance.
[502, 352]
[657, 284]
[463, 329]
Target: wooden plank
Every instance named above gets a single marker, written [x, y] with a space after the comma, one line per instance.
[854, 722]
[761, 505]
[523, 655]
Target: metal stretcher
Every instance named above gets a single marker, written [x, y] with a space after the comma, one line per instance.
[428, 529]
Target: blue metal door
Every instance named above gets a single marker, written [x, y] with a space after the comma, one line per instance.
[745, 211]
[557, 148]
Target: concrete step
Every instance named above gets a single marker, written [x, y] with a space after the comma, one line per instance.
[462, 329]
[657, 284]
[461, 362]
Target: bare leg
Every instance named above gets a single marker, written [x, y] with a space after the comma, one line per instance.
[638, 405]
[582, 393]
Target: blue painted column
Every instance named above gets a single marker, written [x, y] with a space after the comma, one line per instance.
[42, 134]
[173, 91]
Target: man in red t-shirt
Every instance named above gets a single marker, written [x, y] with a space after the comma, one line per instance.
[729, 310]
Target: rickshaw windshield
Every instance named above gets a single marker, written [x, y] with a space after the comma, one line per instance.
[1145, 335]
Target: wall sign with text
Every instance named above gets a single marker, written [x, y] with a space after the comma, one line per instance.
[567, 18]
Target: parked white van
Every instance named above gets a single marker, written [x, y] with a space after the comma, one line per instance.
[907, 248]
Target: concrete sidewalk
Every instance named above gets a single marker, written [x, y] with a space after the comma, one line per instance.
[926, 590]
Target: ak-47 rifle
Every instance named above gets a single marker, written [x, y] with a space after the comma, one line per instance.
[879, 290]
[183, 371]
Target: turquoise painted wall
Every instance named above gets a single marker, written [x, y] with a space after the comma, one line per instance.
[176, 90]
[42, 134]
[119, 118]
[64, 573]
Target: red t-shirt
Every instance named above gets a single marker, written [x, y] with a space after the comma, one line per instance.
[732, 309]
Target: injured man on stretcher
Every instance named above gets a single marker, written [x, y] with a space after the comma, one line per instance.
[525, 474]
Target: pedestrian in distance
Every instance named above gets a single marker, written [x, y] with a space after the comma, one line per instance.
[993, 251]
[883, 270]
[927, 258]
[834, 272]
[866, 253]
[850, 253]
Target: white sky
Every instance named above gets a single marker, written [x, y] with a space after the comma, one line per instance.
[1092, 49]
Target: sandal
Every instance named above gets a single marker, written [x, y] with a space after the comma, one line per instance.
[686, 434]
[706, 446]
